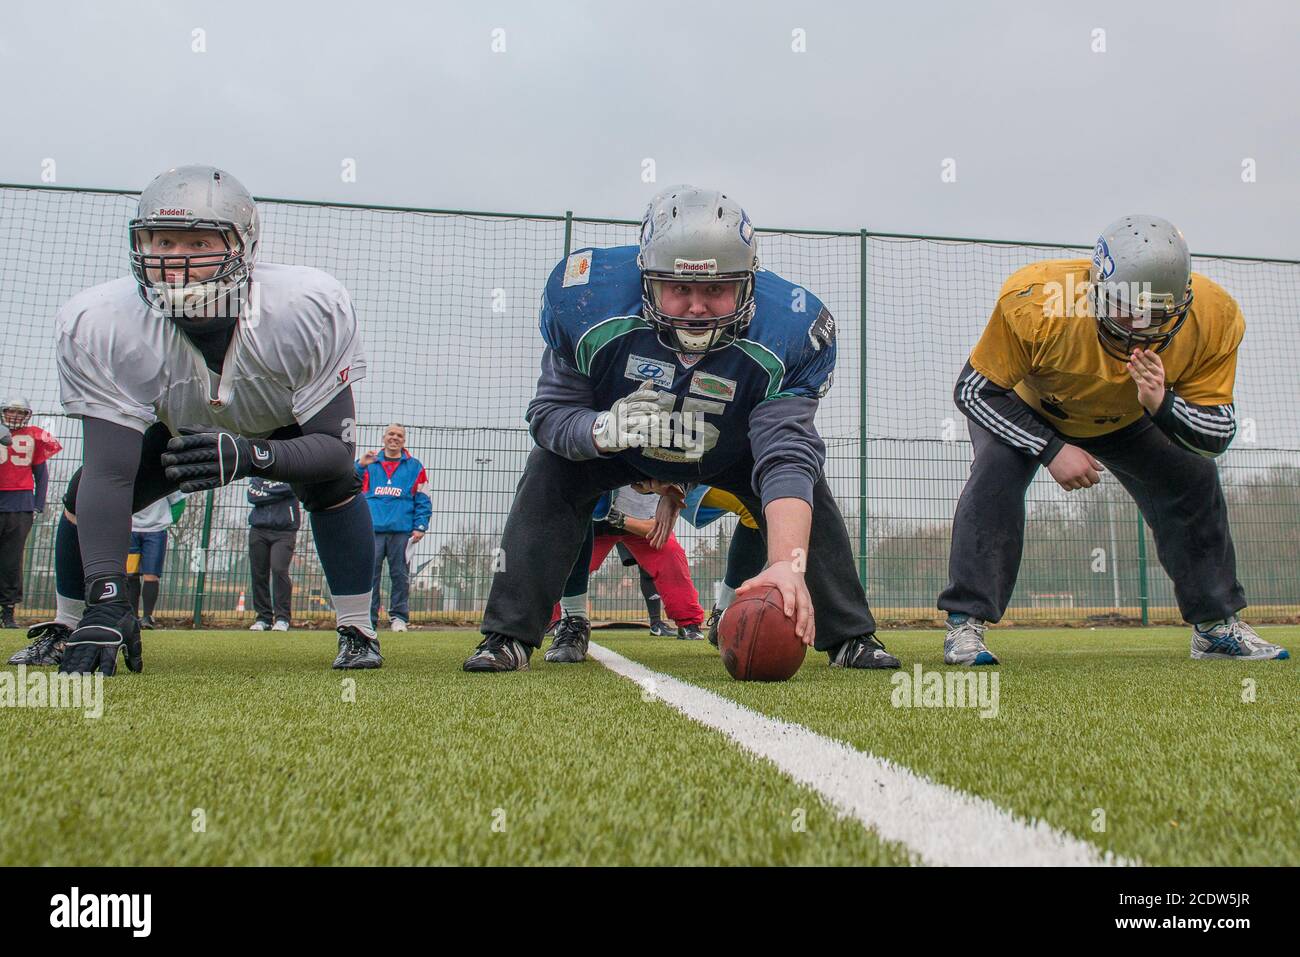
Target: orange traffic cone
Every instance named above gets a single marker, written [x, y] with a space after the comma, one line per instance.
[240, 606]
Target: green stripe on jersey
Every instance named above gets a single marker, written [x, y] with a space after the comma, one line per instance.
[601, 335]
[766, 358]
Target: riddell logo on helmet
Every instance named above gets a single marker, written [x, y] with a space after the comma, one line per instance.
[695, 267]
[175, 212]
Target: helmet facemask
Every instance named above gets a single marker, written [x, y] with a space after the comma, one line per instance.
[196, 304]
[703, 334]
[1129, 319]
[15, 416]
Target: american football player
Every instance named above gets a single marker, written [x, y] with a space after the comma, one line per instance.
[1134, 374]
[24, 479]
[679, 359]
[203, 367]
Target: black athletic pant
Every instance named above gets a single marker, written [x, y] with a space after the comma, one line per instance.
[270, 552]
[14, 529]
[1177, 491]
[552, 511]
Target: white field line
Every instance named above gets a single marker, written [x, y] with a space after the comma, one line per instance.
[938, 824]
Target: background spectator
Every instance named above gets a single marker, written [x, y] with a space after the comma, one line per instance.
[144, 559]
[394, 484]
[24, 478]
[272, 536]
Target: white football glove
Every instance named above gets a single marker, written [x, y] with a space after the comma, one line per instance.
[635, 421]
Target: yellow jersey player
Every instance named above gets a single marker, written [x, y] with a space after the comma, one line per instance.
[1123, 363]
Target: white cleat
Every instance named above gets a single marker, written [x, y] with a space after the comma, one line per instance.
[397, 625]
[964, 645]
[259, 625]
[280, 625]
[1233, 638]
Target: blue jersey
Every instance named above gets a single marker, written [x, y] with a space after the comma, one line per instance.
[591, 319]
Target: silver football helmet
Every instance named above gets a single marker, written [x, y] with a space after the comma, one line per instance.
[16, 412]
[1141, 284]
[195, 198]
[693, 235]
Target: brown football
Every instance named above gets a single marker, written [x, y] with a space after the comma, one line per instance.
[757, 641]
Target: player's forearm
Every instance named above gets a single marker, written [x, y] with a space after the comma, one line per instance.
[639, 526]
[561, 417]
[325, 449]
[789, 523]
[41, 483]
[112, 457]
[1005, 415]
[788, 452]
[1205, 429]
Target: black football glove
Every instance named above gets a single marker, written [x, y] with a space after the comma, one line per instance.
[199, 461]
[108, 624]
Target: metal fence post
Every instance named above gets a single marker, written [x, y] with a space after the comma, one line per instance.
[203, 560]
[862, 407]
[568, 231]
[1144, 598]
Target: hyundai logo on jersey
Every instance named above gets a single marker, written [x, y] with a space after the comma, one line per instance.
[649, 370]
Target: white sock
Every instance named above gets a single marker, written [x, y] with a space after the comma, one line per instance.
[574, 607]
[68, 611]
[726, 595]
[354, 610]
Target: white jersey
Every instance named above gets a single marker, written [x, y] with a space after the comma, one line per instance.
[158, 516]
[122, 362]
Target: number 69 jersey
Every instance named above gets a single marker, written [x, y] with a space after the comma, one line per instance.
[591, 319]
[297, 348]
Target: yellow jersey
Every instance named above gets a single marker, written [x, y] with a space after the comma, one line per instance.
[1042, 341]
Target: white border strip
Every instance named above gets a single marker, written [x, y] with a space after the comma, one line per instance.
[940, 825]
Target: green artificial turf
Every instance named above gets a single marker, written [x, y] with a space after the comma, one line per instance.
[1122, 720]
[568, 762]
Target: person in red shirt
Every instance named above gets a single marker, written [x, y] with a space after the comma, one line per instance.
[24, 479]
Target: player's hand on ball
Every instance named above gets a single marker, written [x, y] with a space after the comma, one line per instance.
[794, 592]
[199, 461]
[1074, 468]
[635, 421]
[1146, 369]
[109, 624]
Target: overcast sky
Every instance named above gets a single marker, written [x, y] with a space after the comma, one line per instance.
[1050, 139]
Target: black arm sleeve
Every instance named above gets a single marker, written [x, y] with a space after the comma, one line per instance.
[41, 478]
[560, 417]
[1205, 429]
[112, 458]
[788, 453]
[324, 450]
[1006, 415]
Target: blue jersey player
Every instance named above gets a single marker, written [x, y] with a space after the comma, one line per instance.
[680, 361]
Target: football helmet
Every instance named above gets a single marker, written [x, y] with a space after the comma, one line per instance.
[1140, 284]
[196, 198]
[693, 235]
[16, 412]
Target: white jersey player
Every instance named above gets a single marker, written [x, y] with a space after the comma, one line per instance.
[202, 368]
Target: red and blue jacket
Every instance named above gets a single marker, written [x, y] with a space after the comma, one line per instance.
[395, 491]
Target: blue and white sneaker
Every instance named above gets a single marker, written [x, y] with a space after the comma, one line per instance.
[964, 643]
[1233, 638]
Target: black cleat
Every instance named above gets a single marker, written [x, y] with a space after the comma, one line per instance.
[7, 617]
[865, 652]
[659, 629]
[572, 635]
[499, 653]
[689, 633]
[147, 623]
[46, 648]
[357, 649]
[715, 616]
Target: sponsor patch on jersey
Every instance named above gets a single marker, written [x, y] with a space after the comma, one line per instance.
[826, 386]
[714, 386]
[577, 270]
[695, 267]
[822, 331]
[746, 229]
[669, 455]
[649, 370]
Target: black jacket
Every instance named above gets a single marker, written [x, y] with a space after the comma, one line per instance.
[275, 506]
